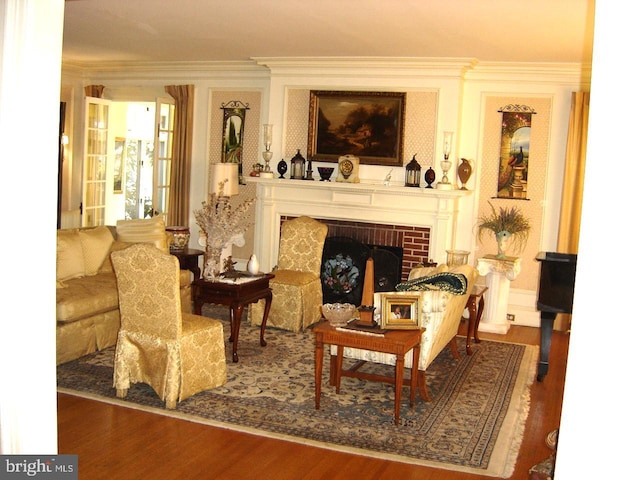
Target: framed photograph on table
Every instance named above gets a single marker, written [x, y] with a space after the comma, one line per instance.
[368, 125]
[400, 311]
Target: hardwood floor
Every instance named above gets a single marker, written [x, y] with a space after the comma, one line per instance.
[115, 442]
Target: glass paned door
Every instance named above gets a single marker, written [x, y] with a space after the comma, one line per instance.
[165, 111]
[94, 186]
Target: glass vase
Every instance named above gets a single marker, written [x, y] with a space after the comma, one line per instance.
[211, 269]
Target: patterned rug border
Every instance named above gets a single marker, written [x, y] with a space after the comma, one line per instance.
[502, 462]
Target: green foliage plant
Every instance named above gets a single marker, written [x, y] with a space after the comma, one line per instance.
[505, 223]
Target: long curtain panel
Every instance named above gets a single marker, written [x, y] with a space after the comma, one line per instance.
[180, 184]
[571, 209]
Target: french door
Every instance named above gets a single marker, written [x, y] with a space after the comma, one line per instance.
[151, 162]
[95, 169]
[163, 156]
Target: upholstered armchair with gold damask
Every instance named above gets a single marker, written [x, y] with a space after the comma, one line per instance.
[297, 290]
[177, 353]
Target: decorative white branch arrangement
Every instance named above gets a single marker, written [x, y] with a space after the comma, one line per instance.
[220, 221]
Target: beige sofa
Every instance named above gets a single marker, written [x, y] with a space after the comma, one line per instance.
[440, 316]
[87, 313]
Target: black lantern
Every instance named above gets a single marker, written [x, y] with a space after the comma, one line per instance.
[412, 175]
[297, 166]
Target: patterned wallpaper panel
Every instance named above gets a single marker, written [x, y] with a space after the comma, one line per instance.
[297, 118]
[251, 148]
[419, 134]
[538, 167]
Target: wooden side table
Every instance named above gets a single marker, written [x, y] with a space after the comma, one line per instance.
[236, 295]
[475, 304]
[397, 342]
[188, 259]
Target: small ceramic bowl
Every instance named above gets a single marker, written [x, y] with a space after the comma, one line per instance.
[338, 314]
[325, 173]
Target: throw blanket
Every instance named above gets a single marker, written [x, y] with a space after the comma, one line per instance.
[455, 283]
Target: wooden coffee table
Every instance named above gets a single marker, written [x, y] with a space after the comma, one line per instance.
[397, 342]
[236, 296]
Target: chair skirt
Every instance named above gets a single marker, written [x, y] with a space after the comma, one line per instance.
[177, 369]
[297, 301]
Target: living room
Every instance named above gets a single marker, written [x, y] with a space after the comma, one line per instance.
[473, 99]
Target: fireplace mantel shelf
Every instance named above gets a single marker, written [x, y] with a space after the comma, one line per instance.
[363, 187]
[394, 205]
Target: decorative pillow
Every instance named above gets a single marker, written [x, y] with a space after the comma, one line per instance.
[148, 230]
[69, 256]
[96, 243]
[107, 266]
[455, 283]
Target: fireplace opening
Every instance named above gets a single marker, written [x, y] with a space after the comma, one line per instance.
[387, 268]
[343, 269]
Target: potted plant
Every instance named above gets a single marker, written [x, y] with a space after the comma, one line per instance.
[505, 224]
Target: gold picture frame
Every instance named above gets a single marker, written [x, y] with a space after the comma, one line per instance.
[368, 125]
[400, 311]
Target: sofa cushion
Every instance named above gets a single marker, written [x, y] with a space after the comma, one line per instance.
[107, 266]
[96, 243]
[148, 230]
[69, 256]
[86, 296]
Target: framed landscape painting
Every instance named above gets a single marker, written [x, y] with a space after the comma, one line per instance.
[369, 125]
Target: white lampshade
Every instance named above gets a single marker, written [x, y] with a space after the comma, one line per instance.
[221, 172]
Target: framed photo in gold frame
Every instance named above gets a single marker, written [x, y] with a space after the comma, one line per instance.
[400, 311]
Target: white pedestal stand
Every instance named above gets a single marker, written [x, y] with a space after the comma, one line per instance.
[499, 273]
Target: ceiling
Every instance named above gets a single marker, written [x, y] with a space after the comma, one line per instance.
[97, 31]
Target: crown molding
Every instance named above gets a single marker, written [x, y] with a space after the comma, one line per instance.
[366, 66]
[526, 72]
[470, 69]
[166, 70]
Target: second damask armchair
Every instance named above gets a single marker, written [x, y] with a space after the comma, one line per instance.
[297, 290]
[177, 353]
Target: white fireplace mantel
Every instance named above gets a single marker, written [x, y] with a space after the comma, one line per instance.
[361, 202]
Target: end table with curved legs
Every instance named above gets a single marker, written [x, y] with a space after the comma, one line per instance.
[475, 305]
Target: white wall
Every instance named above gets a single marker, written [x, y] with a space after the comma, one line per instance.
[600, 413]
[30, 51]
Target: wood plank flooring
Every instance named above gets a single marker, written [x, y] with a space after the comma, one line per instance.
[125, 444]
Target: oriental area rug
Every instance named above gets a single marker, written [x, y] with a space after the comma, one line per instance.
[474, 422]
